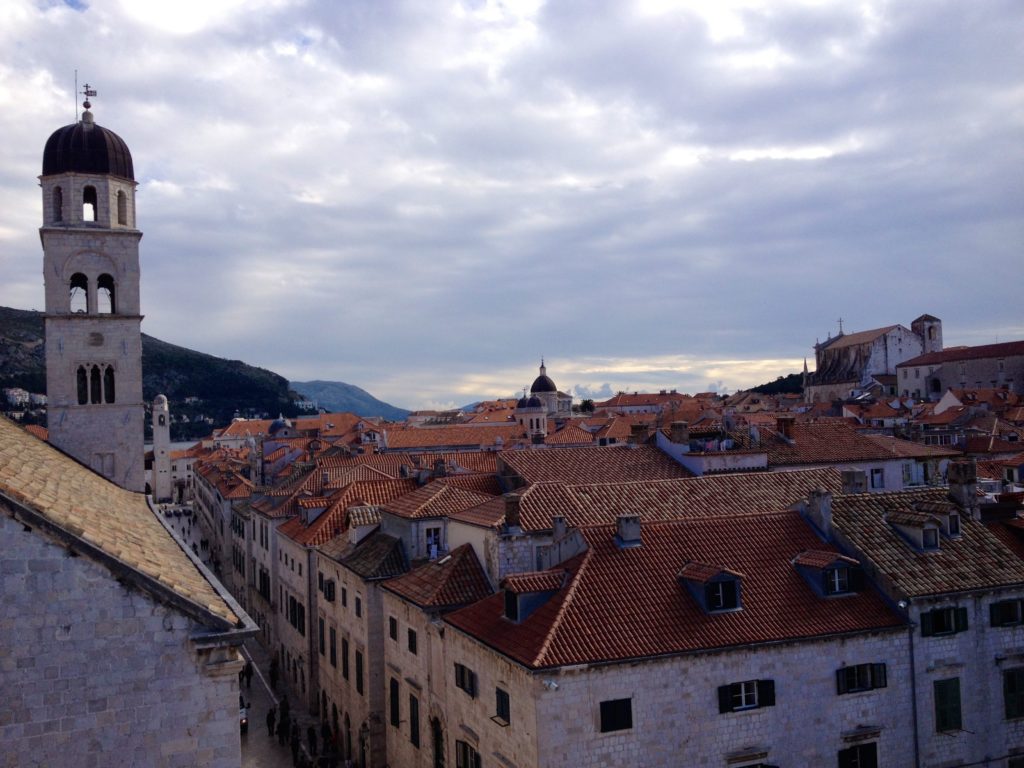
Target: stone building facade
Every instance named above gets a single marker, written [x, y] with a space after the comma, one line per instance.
[931, 375]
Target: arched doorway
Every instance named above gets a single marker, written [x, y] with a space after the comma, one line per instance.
[437, 742]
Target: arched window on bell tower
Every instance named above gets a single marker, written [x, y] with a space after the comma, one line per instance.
[108, 384]
[95, 388]
[122, 207]
[79, 293]
[83, 386]
[105, 295]
[89, 209]
[58, 204]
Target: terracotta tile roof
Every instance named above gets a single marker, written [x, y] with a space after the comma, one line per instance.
[475, 435]
[94, 510]
[445, 584]
[953, 354]
[391, 463]
[820, 558]
[378, 556]
[192, 452]
[975, 560]
[822, 443]
[535, 581]
[436, 499]
[704, 572]
[570, 434]
[490, 514]
[592, 464]
[861, 337]
[715, 495]
[493, 416]
[604, 612]
[907, 449]
[362, 516]
[332, 522]
[1011, 533]
[485, 484]
[37, 431]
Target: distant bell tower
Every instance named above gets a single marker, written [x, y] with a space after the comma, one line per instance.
[93, 323]
[161, 485]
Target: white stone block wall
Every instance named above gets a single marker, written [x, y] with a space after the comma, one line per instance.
[98, 675]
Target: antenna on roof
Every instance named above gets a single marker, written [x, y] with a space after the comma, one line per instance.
[74, 109]
[840, 323]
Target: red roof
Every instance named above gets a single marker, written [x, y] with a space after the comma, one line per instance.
[604, 612]
[454, 580]
[592, 464]
[436, 499]
[953, 354]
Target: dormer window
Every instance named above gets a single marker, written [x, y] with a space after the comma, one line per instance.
[929, 538]
[919, 528]
[830, 573]
[954, 525]
[717, 589]
[526, 592]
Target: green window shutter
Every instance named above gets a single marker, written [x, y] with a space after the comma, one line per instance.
[927, 627]
[947, 705]
[878, 675]
[766, 693]
[724, 698]
[961, 619]
[995, 618]
[841, 681]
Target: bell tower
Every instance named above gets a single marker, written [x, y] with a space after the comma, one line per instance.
[93, 323]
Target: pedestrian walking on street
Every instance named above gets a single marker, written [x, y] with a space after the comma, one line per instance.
[273, 674]
[282, 728]
[271, 716]
[247, 669]
[311, 738]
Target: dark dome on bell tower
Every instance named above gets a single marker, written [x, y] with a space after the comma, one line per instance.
[85, 147]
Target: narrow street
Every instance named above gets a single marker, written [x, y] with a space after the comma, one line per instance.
[259, 749]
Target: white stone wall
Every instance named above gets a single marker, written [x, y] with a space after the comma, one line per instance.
[675, 707]
[978, 657]
[96, 675]
[294, 646]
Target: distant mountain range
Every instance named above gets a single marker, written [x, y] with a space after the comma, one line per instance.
[339, 396]
[222, 389]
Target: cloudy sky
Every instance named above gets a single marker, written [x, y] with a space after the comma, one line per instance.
[424, 198]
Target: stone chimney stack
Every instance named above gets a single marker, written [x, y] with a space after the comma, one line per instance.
[819, 510]
[627, 531]
[963, 486]
[512, 510]
[784, 426]
[637, 434]
[679, 432]
[558, 527]
[854, 481]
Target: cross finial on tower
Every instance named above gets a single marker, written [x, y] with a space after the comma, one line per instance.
[87, 92]
[840, 326]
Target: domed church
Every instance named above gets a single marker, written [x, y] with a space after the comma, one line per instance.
[93, 320]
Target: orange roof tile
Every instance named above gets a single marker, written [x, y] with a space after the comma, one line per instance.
[450, 582]
[592, 464]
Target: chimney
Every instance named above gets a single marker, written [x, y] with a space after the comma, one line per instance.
[637, 434]
[819, 510]
[557, 527]
[784, 426]
[963, 486]
[679, 432]
[854, 481]
[325, 478]
[627, 533]
[439, 468]
[512, 510]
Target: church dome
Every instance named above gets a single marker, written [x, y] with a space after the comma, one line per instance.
[534, 402]
[522, 402]
[85, 147]
[543, 384]
[278, 424]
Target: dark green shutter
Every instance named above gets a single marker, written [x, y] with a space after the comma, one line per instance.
[856, 579]
[724, 698]
[961, 619]
[995, 617]
[927, 628]
[766, 693]
[841, 681]
[878, 675]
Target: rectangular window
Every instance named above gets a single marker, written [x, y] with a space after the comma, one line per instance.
[748, 694]
[359, 607]
[947, 704]
[333, 647]
[465, 678]
[344, 597]
[1013, 692]
[877, 478]
[466, 756]
[943, 621]
[722, 595]
[837, 581]
[616, 715]
[359, 671]
[502, 706]
[395, 711]
[412, 641]
[860, 756]
[414, 720]
[344, 658]
[860, 677]
[1005, 613]
[320, 635]
[393, 628]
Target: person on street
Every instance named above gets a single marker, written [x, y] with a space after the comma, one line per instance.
[282, 728]
[271, 716]
[296, 741]
[311, 738]
[247, 669]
